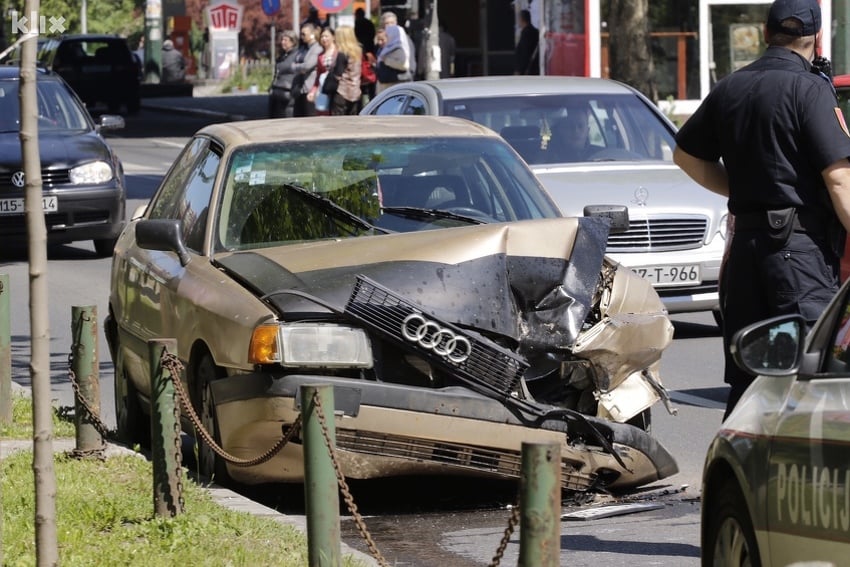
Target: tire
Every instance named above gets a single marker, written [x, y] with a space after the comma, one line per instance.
[730, 538]
[133, 425]
[104, 247]
[210, 464]
[133, 105]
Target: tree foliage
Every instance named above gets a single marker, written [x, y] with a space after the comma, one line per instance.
[121, 17]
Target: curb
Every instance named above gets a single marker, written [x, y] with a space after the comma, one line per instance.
[196, 111]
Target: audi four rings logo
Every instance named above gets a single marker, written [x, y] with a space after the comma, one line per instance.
[18, 179]
[429, 335]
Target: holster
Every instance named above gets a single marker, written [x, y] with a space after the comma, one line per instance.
[780, 223]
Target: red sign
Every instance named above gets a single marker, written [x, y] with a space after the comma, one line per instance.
[331, 6]
[225, 15]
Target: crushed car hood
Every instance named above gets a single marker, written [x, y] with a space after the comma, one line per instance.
[531, 281]
[637, 185]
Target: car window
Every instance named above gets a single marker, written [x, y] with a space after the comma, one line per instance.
[57, 109]
[195, 202]
[546, 129]
[392, 106]
[309, 191]
[166, 203]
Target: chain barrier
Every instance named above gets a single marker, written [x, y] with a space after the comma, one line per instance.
[503, 544]
[175, 367]
[343, 486]
[93, 416]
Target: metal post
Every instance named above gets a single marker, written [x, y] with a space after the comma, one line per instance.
[86, 373]
[5, 352]
[321, 494]
[153, 41]
[540, 505]
[165, 433]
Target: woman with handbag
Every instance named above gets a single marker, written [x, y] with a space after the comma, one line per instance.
[347, 71]
[326, 81]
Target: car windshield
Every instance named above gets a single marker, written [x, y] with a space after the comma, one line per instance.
[291, 192]
[57, 111]
[548, 129]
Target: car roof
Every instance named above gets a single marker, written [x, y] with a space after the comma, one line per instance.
[517, 85]
[343, 127]
[14, 72]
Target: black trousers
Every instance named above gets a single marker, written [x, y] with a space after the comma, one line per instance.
[280, 104]
[762, 279]
[303, 107]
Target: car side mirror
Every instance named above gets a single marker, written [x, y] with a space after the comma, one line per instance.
[773, 347]
[162, 234]
[617, 215]
[110, 122]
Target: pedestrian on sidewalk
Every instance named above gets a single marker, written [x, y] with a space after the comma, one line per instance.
[280, 93]
[173, 64]
[305, 71]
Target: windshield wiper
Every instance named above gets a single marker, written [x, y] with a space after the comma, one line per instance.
[422, 213]
[329, 205]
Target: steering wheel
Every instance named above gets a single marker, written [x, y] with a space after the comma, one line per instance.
[470, 212]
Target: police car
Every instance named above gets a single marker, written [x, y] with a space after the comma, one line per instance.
[776, 480]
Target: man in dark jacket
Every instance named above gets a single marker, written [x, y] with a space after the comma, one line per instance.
[527, 53]
[173, 64]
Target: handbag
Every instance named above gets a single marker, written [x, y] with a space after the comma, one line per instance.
[331, 83]
[367, 69]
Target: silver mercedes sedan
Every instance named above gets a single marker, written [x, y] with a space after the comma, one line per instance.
[594, 141]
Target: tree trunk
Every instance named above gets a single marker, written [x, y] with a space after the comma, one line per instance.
[630, 56]
[46, 542]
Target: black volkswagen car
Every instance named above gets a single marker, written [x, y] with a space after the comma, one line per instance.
[84, 195]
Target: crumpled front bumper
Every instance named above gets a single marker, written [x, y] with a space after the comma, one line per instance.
[385, 430]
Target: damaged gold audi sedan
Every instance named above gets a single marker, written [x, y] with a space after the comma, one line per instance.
[417, 266]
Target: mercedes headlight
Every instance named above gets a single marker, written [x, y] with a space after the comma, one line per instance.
[311, 345]
[91, 173]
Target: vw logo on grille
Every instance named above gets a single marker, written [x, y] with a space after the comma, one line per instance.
[431, 336]
[18, 179]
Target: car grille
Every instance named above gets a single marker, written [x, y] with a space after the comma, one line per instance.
[489, 368]
[499, 463]
[661, 233]
[49, 178]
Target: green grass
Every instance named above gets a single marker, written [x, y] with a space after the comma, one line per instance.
[21, 426]
[105, 516]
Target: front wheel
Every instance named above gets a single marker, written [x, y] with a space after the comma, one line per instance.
[133, 426]
[730, 538]
[210, 464]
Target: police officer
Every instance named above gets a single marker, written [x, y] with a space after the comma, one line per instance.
[784, 146]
